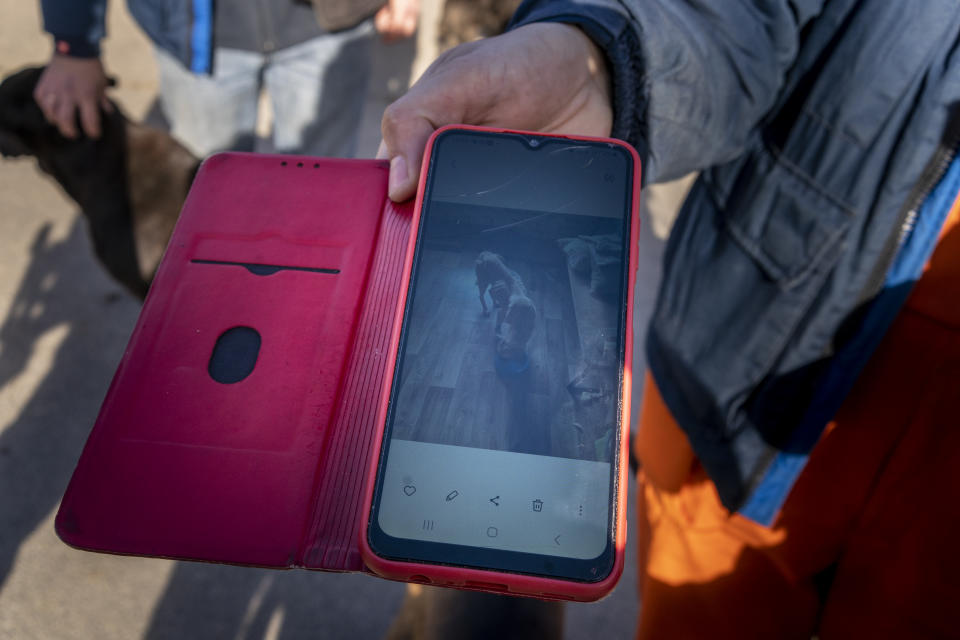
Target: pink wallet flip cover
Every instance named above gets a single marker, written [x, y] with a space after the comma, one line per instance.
[268, 470]
[277, 468]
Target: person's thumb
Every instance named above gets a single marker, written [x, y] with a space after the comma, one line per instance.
[405, 135]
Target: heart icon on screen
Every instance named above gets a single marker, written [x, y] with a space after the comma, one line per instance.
[409, 489]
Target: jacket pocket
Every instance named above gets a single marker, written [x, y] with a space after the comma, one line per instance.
[786, 224]
[742, 273]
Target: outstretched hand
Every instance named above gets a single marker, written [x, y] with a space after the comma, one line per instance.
[546, 77]
[70, 86]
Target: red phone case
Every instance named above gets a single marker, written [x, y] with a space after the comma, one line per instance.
[276, 469]
[488, 580]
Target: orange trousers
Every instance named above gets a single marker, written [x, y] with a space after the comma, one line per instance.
[867, 544]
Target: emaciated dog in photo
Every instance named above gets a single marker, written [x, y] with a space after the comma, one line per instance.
[516, 313]
[517, 327]
[495, 276]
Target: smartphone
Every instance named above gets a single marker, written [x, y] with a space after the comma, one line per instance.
[502, 459]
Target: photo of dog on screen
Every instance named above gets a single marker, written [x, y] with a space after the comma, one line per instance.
[535, 366]
[516, 313]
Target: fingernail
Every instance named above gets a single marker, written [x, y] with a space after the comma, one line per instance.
[398, 174]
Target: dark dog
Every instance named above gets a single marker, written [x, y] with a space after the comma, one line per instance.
[130, 183]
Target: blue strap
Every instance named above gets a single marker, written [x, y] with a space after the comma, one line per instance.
[768, 498]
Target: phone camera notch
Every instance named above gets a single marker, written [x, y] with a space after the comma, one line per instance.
[533, 142]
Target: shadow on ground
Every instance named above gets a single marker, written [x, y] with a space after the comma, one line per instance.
[39, 449]
[63, 293]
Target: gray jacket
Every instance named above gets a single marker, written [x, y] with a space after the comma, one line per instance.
[818, 127]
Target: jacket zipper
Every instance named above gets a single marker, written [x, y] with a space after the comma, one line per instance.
[932, 173]
[268, 36]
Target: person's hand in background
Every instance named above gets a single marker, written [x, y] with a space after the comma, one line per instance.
[70, 85]
[397, 19]
[546, 77]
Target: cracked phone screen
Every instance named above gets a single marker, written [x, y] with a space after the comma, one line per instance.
[509, 373]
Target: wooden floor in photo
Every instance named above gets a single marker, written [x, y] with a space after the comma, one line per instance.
[451, 392]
